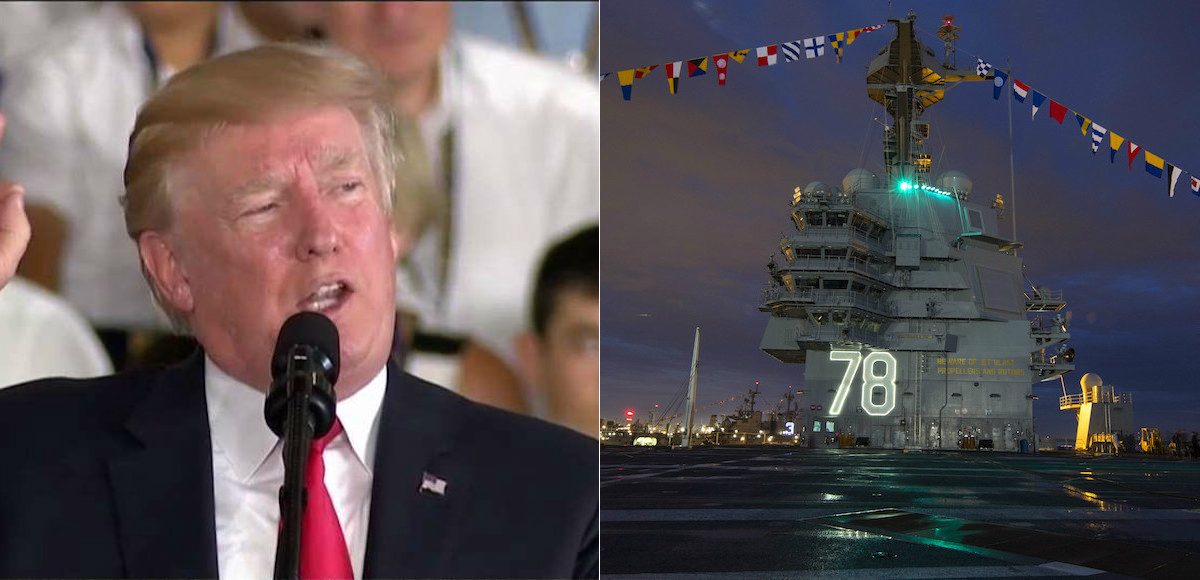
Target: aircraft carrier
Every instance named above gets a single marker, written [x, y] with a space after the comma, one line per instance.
[903, 294]
[904, 297]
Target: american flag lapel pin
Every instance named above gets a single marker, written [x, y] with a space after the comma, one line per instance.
[433, 484]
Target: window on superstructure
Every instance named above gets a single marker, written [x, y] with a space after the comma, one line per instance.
[836, 284]
[975, 218]
[836, 219]
[798, 220]
[789, 254]
[836, 252]
[809, 283]
[816, 218]
[857, 286]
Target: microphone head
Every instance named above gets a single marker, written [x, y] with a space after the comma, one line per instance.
[310, 329]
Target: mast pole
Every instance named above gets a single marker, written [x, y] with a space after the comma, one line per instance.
[1012, 180]
[691, 399]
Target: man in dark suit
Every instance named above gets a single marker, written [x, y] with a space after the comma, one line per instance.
[259, 185]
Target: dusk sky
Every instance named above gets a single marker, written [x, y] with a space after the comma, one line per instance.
[696, 186]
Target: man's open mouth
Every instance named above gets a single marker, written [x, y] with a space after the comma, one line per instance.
[327, 297]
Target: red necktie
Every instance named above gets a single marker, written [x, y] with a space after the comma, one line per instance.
[323, 553]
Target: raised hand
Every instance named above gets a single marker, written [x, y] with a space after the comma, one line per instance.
[14, 224]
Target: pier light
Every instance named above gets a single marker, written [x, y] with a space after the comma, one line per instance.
[905, 185]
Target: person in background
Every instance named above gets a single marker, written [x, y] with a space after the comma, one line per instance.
[511, 142]
[284, 21]
[561, 356]
[70, 106]
[465, 367]
[44, 337]
[24, 26]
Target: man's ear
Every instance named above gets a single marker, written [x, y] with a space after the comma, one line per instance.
[529, 357]
[166, 273]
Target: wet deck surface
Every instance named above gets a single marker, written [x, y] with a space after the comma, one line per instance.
[787, 512]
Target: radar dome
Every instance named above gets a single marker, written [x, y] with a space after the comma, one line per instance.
[816, 186]
[858, 180]
[1090, 380]
[955, 181]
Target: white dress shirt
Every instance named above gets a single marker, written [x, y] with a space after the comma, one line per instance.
[41, 336]
[526, 159]
[70, 107]
[248, 471]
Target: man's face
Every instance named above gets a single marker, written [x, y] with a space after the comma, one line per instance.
[402, 39]
[275, 218]
[569, 362]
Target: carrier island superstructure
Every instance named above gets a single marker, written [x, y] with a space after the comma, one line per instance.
[904, 296]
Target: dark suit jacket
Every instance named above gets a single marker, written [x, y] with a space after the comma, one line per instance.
[112, 477]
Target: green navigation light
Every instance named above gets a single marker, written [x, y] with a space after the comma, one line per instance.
[905, 186]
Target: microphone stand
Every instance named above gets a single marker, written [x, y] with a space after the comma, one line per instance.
[301, 377]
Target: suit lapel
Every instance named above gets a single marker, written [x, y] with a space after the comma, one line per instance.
[163, 488]
[410, 530]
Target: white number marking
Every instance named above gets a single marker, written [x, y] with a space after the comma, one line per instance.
[854, 358]
[872, 381]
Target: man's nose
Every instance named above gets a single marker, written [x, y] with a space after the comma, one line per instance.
[318, 232]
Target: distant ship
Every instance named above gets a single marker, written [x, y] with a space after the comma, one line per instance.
[904, 297]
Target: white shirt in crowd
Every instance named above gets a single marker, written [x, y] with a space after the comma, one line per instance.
[248, 471]
[24, 26]
[41, 336]
[526, 160]
[70, 107]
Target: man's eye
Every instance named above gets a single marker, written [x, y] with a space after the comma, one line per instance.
[262, 209]
[350, 186]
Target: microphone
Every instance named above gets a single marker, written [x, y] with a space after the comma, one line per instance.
[300, 407]
[305, 361]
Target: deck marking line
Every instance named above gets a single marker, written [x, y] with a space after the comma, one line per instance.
[1048, 569]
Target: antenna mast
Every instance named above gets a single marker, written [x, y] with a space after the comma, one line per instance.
[691, 400]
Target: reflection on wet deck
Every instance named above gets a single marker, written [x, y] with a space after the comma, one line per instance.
[872, 512]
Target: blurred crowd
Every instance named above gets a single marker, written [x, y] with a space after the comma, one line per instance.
[498, 192]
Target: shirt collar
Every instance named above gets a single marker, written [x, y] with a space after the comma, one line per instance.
[360, 418]
[239, 431]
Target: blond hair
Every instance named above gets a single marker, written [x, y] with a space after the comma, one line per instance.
[247, 87]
